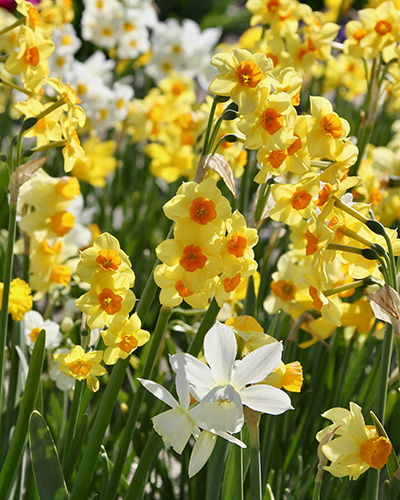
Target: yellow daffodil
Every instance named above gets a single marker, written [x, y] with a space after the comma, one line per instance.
[123, 338]
[355, 447]
[20, 299]
[82, 366]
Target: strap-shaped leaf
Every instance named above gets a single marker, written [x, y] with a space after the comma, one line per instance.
[45, 462]
[26, 407]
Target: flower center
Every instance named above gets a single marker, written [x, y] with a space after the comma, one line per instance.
[80, 367]
[62, 222]
[375, 452]
[109, 301]
[55, 249]
[68, 187]
[332, 125]
[202, 211]
[128, 343]
[60, 274]
[192, 258]
[359, 34]
[249, 74]
[284, 289]
[301, 199]
[383, 28]
[182, 290]
[295, 146]
[324, 195]
[312, 243]
[34, 334]
[32, 56]
[276, 158]
[237, 244]
[231, 283]
[272, 121]
[108, 259]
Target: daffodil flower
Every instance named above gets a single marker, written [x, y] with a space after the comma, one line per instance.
[227, 383]
[175, 426]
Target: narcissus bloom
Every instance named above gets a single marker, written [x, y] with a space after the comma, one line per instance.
[105, 257]
[107, 301]
[177, 425]
[34, 323]
[289, 376]
[355, 446]
[227, 380]
[20, 299]
[82, 366]
[242, 75]
[123, 338]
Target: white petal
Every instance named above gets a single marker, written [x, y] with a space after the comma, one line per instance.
[196, 372]
[257, 365]
[175, 427]
[159, 392]
[220, 410]
[266, 399]
[220, 352]
[201, 452]
[182, 389]
[231, 439]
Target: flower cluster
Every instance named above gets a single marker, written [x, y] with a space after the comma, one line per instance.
[219, 389]
[211, 251]
[20, 299]
[108, 303]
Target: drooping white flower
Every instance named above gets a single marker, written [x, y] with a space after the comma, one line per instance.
[177, 425]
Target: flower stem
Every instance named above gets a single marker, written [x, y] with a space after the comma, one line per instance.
[206, 146]
[8, 265]
[255, 462]
[130, 426]
[206, 324]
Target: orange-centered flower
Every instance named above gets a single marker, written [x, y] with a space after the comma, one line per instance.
[32, 56]
[192, 258]
[110, 302]
[237, 244]
[383, 28]
[80, 367]
[231, 283]
[301, 199]
[273, 5]
[182, 290]
[249, 74]
[272, 121]
[284, 289]
[108, 259]
[128, 343]
[375, 452]
[202, 211]
[332, 125]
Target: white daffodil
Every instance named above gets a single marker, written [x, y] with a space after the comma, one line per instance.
[225, 383]
[175, 426]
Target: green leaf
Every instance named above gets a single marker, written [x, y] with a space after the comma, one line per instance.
[45, 462]
[17, 445]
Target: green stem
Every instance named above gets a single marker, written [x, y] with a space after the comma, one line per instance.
[8, 264]
[139, 480]
[89, 460]
[27, 406]
[261, 201]
[206, 147]
[12, 26]
[255, 462]
[206, 324]
[73, 418]
[239, 471]
[130, 426]
[380, 404]
[317, 490]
